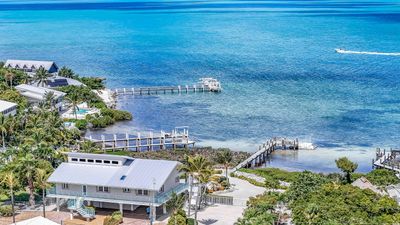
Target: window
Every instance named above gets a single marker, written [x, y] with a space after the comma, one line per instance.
[64, 186]
[90, 160]
[74, 159]
[162, 189]
[82, 160]
[98, 161]
[177, 179]
[142, 192]
[106, 161]
[126, 190]
[115, 162]
[103, 189]
[123, 177]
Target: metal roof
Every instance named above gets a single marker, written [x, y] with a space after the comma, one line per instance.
[4, 105]
[29, 64]
[37, 92]
[139, 174]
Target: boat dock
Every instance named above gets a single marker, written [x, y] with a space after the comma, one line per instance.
[205, 85]
[266, 149]
[148, 141]
[388, 160]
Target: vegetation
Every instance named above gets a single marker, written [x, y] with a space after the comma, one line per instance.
[6, 210]
[94, 83]
[326, 198]
[225, 157]
[347, 167]
[198, 168]
[175, 205]
[260, 210]
[10, 181]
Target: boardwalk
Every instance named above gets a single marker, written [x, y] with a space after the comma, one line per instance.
[179, 137]
[266, 149]
[388, 160]
[162, 90]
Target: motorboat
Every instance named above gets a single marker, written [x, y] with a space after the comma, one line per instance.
[213, 84]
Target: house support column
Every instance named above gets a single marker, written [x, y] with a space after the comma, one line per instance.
[121, 208]
[89, 203]
[154, 213]
[132, 208]
[58, 204]
[164, 208]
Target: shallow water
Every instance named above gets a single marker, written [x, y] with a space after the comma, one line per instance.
[275, 59]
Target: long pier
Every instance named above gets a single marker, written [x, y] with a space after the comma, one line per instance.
[266, 149]
[179, 137]
[387, 160]
[163, 90]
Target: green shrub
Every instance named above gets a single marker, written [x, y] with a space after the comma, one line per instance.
[6, 210]
[117, 115]
[271, 183]
[81, 124]
[382, 177]
[117, 215]
[109, 220]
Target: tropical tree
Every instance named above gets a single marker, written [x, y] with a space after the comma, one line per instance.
[41, 182]
[9, 75]
[11, 181]
[225, 157]
[175, 205]
[66, 72]
[196, 167]
[74, 100]
[41, 76]
[3, 129]
[346, 166]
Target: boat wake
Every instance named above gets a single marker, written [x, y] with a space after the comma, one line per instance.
[342, 51]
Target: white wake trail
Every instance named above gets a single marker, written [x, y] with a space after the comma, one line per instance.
[342, 51]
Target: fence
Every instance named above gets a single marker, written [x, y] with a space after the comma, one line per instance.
[219, 199]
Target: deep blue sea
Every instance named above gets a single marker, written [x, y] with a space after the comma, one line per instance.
[275, 59]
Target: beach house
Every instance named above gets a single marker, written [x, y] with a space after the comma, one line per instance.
[31, 66]
[36, 95]
[114, 182]
[8, 108]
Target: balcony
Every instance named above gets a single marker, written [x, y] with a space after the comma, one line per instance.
[125, 198]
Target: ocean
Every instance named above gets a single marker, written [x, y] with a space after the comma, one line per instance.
[276, 61]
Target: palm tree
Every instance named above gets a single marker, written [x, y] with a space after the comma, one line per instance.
[27, 166]
[66, 72]
[175, 204]
[41, 182]
[41, 76]
[9, 75]
[196, 167]
[225, 158]
[49, 99]
[3, 129]
[74, 100]
[10, 180]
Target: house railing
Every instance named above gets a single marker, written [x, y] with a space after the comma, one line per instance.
[159, 198]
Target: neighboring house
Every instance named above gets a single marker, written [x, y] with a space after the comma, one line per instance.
[364, 183]
[116, 182]
[39, 220]
[8, 108]
[37, 94]
[31, 66]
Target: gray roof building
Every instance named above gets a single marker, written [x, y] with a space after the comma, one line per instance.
[118, 171]
[31, 65]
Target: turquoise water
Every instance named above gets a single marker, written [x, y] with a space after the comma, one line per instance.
[81, 111]
[275, 59]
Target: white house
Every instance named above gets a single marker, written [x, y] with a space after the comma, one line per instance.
[116, 182]
[38, 94]
[8, 108]
[30, 66]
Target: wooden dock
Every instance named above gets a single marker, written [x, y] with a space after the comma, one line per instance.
[266, 149]
[162, 90]
[387, 160]
[149, 141]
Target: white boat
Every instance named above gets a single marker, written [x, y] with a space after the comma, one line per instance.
[339, 50]
[213, 84]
